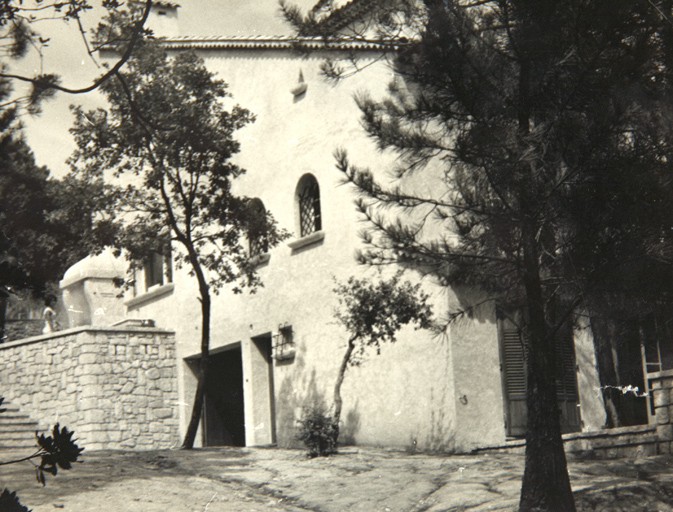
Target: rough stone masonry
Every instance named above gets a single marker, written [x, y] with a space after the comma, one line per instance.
[115, 387]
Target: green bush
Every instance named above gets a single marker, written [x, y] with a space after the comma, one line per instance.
[317, 432]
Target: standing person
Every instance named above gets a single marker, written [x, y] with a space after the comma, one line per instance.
[49, 315]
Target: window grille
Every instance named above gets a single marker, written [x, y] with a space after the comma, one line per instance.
[283, 343]
[309, 207]
[258, 239]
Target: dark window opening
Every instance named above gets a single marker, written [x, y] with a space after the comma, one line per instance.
[310, 219]
[258, 237]
[157, 270]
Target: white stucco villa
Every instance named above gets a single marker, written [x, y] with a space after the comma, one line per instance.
[278, 350]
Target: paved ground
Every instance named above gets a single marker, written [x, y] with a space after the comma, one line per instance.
[358, 479]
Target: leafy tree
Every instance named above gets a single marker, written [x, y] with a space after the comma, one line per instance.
[543, 128]
[373, 314]
[46, 219]
[45, 223]
[56, 451]
[11, 275]
[169, 150]
[43, 219]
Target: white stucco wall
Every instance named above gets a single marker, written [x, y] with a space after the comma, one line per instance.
[592, 410]
[420, 393]
[403, 397]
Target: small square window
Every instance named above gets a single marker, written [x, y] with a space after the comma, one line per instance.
[157, 270]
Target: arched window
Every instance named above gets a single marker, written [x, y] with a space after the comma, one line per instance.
[308, 202]
[258, 240]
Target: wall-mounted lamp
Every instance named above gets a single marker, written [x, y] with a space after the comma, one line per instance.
[283, 343]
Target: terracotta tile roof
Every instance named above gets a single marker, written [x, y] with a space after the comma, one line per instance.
[274, 43]
[165, 5]
[157, 3]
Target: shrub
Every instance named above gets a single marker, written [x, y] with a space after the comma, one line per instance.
[318, 432]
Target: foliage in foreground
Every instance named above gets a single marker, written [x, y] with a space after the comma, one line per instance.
[541, 130]
[58, 450]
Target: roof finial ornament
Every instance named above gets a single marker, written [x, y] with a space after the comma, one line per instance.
[301, 86]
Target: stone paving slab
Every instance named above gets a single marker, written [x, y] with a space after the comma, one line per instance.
[358, 479]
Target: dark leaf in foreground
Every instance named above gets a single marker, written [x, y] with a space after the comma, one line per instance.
[61, 450]
[9, 502]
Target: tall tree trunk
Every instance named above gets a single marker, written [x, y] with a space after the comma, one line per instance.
[184, 237]
[546, 484]
[338, 402]
[197, 409]
[607, 373]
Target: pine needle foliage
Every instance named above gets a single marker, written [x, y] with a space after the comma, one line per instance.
[543, 130]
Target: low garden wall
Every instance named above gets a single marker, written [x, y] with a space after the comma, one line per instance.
[635, 441]
[115, 387]
[661, 387]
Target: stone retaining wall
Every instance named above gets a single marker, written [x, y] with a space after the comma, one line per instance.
[661, 387]
[610, 443]
[115, 387]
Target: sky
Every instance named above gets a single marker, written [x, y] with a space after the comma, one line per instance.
[47, 134]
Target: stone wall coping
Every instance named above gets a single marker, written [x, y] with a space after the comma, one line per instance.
[611, 432]
[84, 328]
[573, 436]
[660, 375]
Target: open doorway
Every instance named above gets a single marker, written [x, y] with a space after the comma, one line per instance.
[224, 418]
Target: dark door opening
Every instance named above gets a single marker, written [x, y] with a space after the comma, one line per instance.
[224, 419]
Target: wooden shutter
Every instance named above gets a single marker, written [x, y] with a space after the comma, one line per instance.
[566, 381]
[514, 379]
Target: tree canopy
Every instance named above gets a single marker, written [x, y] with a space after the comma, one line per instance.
[546, 129]
[123, 26]
[162, 152]
[47, 221]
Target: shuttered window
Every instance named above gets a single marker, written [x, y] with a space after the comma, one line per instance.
[514, 379]
[515, 363]
[566, 381]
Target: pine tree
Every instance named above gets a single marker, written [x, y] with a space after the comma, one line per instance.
[542, 132]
